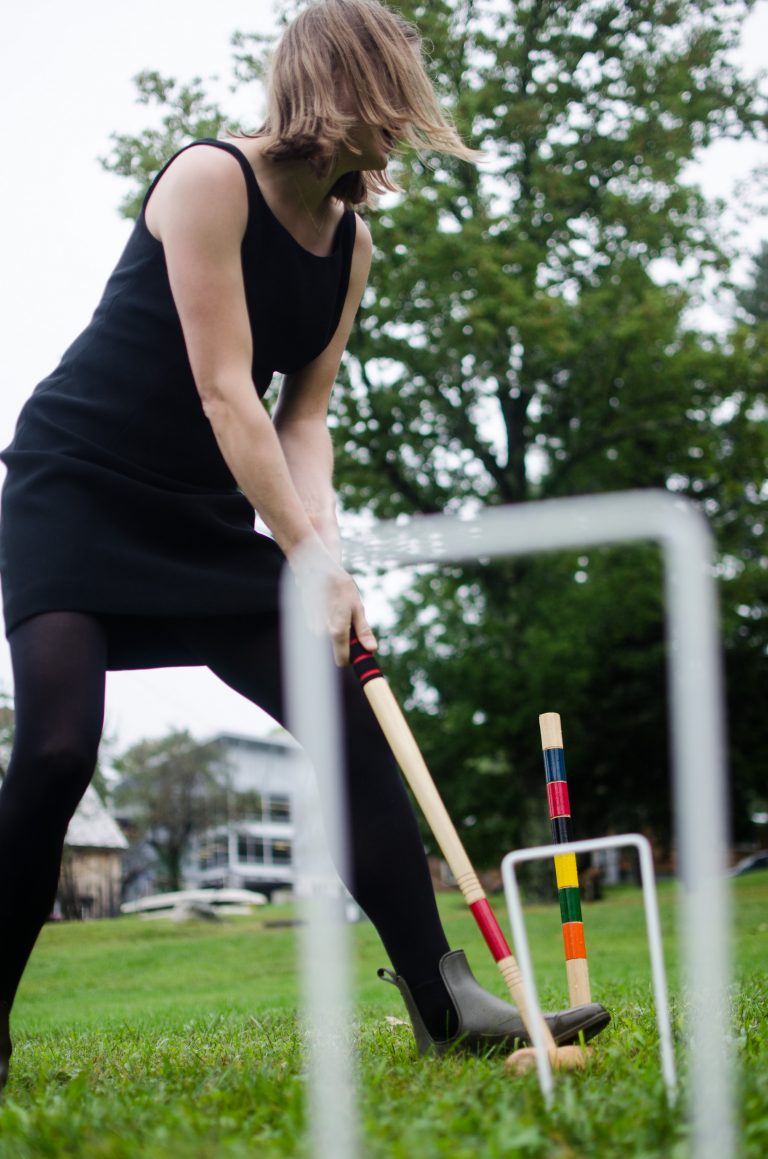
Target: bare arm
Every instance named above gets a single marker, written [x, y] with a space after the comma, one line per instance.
[199, 212]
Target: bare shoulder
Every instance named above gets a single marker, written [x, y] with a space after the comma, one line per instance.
[204, 163]
[363, 238]
[363, 251]
[202, 181]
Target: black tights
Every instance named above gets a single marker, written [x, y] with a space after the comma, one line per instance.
[59, 664]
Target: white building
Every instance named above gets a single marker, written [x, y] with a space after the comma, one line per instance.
[255, 848]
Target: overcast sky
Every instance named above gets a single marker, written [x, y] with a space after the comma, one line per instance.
[65, 85]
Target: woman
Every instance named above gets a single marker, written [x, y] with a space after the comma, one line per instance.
[127, 524]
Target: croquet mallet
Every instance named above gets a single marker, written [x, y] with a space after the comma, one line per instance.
[408, 756]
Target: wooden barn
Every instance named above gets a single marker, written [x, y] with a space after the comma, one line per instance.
[91, 872]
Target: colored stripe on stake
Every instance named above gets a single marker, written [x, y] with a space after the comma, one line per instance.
[557, 796]
[565, 865]
[566, 871]
[570, 905]
[573, 940]
[554, 760]
[561, 830]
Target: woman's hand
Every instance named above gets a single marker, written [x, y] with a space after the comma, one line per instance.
[331, 599]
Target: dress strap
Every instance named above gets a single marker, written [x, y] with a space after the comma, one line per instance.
[250, 177]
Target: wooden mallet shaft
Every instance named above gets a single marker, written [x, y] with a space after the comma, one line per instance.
[414, 769]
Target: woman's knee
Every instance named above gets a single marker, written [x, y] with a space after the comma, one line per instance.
[50, 774]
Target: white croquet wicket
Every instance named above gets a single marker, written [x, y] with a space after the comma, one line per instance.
[313, 717]
[699, 797]
[653, 931]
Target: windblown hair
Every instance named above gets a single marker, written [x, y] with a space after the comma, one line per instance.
[370, 54]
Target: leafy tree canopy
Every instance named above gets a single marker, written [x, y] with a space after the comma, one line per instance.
[753, 298]
[526, 334]
[170, 789]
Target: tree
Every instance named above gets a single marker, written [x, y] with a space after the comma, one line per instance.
[170, 789]
[521, 339]
[744, 569]
[753, 298]
[7, 720]
[189, 116]
[520, 332]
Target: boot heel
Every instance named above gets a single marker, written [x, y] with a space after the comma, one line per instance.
[424, 1040]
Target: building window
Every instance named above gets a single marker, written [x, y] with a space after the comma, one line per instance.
[246, 806]
[281, 853]
[279, 808]
[214, 853]
[250, 849]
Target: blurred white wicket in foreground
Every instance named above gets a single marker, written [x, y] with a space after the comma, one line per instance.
[313, 715]
[696, 718]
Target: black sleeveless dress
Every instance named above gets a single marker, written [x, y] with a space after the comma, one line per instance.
[117, 500]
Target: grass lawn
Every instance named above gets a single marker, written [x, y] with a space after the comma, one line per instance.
[153, 1040]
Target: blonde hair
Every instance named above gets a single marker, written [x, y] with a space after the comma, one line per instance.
[372, 55]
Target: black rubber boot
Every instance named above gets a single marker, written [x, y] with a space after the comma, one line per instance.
[5, 1042]
[486, 1022]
